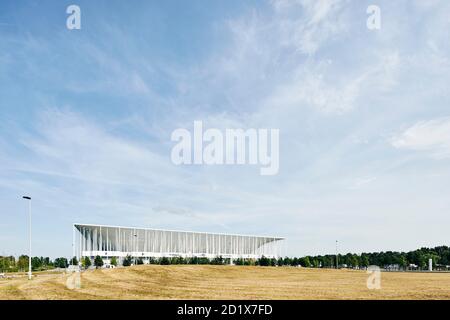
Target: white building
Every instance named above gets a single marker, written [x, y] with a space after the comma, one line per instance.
[112, 241]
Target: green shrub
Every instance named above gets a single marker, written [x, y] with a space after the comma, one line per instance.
[127, 261]
[98, 262]
[86, 262]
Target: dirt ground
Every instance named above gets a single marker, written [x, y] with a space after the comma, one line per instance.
[223, 282]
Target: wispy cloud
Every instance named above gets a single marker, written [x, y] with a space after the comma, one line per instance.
[431, 137]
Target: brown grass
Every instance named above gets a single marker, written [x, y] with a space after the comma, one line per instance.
[226, 282]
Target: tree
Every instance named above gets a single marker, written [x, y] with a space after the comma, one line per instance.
[86, 262]
[305, 262]
[287, 261]
[61, 263]
[36, 263]
[217, 260]
[46, 262]
[434, 258]
[193, 260]
[422, 260]
[114, 261]
[351, 260]
[250, 262]
[364, 260]
[98, 262]
[127, 261]
[315, 263]
[327, 262]
[402, 262]
[263, 261]
[164, 261]
[74, 261]
[178, 260]
[22, 263]
[7, 264]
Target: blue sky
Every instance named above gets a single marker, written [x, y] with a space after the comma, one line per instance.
[364, 118]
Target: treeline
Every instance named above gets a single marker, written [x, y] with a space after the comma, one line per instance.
[11, 264]
[129, 260]
[412, 259]
[416, 259]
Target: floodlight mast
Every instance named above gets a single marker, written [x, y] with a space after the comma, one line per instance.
[337, 258]
[135, 247]
[29, 215]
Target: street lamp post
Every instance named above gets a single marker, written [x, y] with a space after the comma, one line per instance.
[29, 215]
[135, 248]
[337, 258]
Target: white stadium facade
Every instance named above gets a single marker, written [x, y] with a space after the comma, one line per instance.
[113, 241]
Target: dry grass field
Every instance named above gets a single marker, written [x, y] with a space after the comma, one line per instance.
[226, 282]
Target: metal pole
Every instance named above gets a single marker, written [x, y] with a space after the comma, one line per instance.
[73, 243]
[29, 258]
[337, 258]
[135, 247]
[29, 216]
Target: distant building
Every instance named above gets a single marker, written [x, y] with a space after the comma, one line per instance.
[392, 267]
[413, 266]
[113, 241]
[442, 267]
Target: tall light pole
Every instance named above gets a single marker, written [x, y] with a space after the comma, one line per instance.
[29, 215]
[135, 248]
[337, 258]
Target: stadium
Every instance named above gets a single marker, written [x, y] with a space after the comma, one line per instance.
[114, 241]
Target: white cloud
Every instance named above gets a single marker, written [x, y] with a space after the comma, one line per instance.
[361, 182]
[273, 61]
[313, 90]
[432, 136]
[324, 21]
[314, 23]
[108, 175]
[316, 85]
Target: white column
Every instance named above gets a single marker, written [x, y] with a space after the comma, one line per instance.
[73, 242]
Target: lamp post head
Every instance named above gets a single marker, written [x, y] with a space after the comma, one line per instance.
[26, 197]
